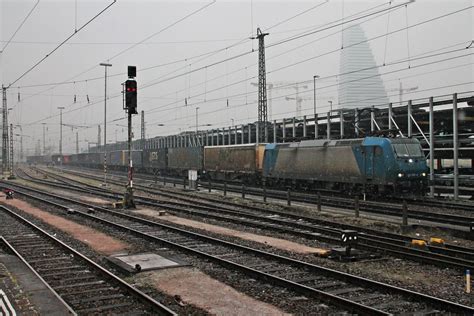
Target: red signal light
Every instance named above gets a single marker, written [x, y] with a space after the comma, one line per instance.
[131, 96]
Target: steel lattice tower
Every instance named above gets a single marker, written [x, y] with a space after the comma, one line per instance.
[262, 88]
[11, 151]
[4, 131]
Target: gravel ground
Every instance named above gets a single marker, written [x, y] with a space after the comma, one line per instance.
[288, 301]
[363, 221]
[15, 292]
[415, 232]
[418, 207]
[444, 283]
[99, 258]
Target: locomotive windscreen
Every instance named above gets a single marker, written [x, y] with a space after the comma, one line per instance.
[408, 150]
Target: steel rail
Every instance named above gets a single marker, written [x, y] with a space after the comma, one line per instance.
[178, 195]
[451, 306]
[369, 240]
[25, 262]
[142, 297]
[235, 187]
[365, 206]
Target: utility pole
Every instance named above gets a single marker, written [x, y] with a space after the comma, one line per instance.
[11, 153]
[129, 201]
[98, 136]
[21, 147]
[197, 109]
[61, 108]
[77, 142]
[262, 88]
[105, 122]
[44, 138]
[38, 148]
[4, 132]
[143, 130]
[21, 142]
[314, 108]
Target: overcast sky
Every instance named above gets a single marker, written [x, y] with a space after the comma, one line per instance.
[167, 40]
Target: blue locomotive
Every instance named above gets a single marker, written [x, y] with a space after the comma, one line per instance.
[372, 164]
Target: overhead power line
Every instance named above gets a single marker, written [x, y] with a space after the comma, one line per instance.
[208, 65]
[334, 51]
[214, 111]
[271, 45]
[206, 55]
[70, 80]
[296, 15]
[278, 55]
[209, 101]
[126, 43]
[376, 37]
[379, 66]
[163, 108]
[344, 21]
[19, 27]
[61, 44]
[164, 29]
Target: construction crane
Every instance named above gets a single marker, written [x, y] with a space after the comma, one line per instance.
[282, 85]
[401, 90]
[299, 100]
[72, 126]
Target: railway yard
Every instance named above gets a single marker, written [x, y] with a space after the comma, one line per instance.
[268, 258]
[237, 158]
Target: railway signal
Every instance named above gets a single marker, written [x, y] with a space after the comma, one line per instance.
[349, 239]
[131, 96]
[131, 108]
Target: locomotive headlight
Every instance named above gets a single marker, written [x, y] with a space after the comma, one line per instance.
[424, 174]
[400, 175]
[410, 160]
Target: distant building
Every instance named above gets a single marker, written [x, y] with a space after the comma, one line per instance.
[353, 91]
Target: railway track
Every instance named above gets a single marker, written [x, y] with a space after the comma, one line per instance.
[387, 209]
[84, 286]
[446, 255]
[352, 293]
[374, 207]
[236, 187]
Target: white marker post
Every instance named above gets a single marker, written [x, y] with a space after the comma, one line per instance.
[468, 281]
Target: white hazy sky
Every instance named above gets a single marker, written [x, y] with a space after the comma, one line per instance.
[164, 44]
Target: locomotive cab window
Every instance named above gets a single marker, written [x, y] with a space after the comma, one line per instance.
[414, 150]
[401, 150]
[408, 150]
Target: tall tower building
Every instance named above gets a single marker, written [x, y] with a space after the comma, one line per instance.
[359, 83]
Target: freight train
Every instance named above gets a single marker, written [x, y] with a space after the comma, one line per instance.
[372, 165]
